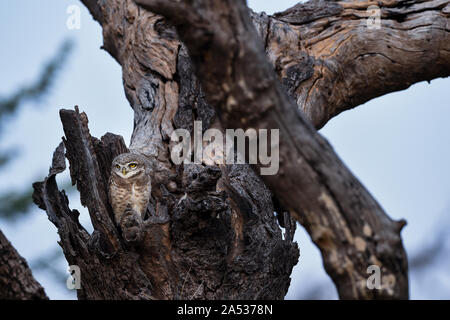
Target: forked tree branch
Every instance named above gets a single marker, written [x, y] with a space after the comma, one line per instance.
[328, 61]
[342, 218]
[331, 60]
[309, 46]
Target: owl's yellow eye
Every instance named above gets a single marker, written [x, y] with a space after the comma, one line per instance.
[117, 166]
[132, 165]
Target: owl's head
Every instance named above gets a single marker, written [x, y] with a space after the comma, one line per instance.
[129, 165]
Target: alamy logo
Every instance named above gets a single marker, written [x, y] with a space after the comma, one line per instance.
[211, 148]
[74, 19]
[374, 19]
[374, 281]
[73, 282]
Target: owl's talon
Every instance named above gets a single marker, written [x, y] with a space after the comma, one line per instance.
[130, 224]
[132, 235]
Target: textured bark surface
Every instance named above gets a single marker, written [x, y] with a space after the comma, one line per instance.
[350, 228]
[211, 236]
[330, 61]
[16, 280]
[210, 232]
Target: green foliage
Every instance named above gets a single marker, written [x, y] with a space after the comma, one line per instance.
[34, 92]
[12, 204]
[17, 203]
[4, 158]
[47, 263]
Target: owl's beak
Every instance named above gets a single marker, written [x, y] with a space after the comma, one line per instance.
[124, 171]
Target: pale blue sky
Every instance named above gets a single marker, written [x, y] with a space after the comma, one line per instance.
[397, 145]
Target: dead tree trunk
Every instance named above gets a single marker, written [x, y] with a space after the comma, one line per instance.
[211, 232]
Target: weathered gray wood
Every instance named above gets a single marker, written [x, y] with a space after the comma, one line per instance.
[313, 184]
[108, 269]
[212, 236]
[349, 64]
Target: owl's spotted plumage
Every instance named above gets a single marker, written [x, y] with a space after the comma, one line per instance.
[129, 184]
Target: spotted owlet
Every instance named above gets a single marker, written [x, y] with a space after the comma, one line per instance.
[129, 184]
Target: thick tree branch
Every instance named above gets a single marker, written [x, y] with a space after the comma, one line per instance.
[328, 62]
[331, 61]
[16, 279]
[342, 218]
[209, 232]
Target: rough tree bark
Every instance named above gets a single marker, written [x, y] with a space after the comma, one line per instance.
[205, 238]
[210, 232]
[16, 279]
